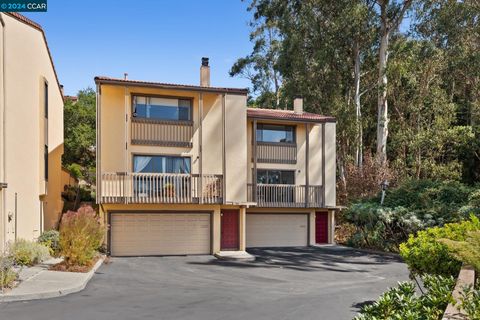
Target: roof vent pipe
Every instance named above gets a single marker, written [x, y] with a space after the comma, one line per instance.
[205, 73]
[298, 105]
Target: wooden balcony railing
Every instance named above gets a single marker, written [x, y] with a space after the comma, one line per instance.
[162, 132]
[276, 152]
[161, 188]
[286, 195]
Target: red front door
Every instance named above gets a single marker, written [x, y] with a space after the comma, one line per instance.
[321, 227]
[229, 229]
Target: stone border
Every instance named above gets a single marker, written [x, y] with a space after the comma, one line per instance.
[466, 277]
[58, 292]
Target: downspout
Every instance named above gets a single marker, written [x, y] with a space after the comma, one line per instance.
[126, 128]
[3, 168]
[98, 146]
[200, 156]
[224, 166]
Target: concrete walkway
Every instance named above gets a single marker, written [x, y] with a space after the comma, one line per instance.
[38, 282]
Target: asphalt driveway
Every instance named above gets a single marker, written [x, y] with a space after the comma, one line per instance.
[290, 283]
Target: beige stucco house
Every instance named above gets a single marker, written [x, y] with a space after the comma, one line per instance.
[185, 169]
[31, 131]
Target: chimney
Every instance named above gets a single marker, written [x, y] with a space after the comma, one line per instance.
[62, 90]
[298, 105]
[125, 76]
[205, 73]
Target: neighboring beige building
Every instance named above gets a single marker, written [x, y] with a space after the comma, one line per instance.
[181, 170]
[31, 131]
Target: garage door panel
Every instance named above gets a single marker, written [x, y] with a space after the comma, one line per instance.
[276, 230]
[160, 234]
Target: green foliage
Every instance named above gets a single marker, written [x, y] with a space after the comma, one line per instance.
[402, 302]
[438, 201]
[75, 170]
[470, 302]
[381, 227]
[81, 235]
[467, 251]
[28, 253]
[412, 206]
[51, 239]
[79, 137]
[433, 89]
[7, 273]
[425, 254]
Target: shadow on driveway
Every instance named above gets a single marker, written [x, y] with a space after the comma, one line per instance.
[332, 258]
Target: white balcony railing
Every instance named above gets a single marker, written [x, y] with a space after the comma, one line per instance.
[286, 195]
[129, 187]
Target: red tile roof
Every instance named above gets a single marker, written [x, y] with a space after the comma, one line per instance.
[288, 115]
[35, 25]
[108, 80]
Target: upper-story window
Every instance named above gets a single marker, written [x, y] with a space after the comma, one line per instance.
[161, 108]
[271, 176]
[275, 133]
[161, 164]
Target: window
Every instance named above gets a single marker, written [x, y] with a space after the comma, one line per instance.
[159, 108]
[275, 177]
[161, 164]
[275, 133]
[45, 99]
[45, 160]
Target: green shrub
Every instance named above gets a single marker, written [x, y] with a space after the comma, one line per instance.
[467, 251]
[382, 227]
[7, 274]
[81, 235]
[28, 253]
[424, 253]
[470, 302]
[403, 303]
[51, 239]
[412, 206]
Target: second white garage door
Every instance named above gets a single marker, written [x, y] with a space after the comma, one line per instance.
[144, 234]
[276, 230]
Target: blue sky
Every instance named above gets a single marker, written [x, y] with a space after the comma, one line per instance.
[150, 40]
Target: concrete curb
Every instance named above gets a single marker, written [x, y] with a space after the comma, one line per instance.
[47, 294]
[238, 256]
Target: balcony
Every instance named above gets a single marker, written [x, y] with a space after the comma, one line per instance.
[276, 152]
[161, 188]
[286, 195]
[162, 132]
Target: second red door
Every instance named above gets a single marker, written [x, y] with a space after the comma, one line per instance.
[229, 230]
[321, 227]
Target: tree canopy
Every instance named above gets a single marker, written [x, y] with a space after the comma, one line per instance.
[338, 55]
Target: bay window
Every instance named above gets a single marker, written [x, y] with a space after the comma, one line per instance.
[162, 108]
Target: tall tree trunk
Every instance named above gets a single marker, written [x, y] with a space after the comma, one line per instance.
[358, 112]
[387, 24]
[382, 116]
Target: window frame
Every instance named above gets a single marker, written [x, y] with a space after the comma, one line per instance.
[45, 160]
[159, 155]
[146, 95]
[260, 127]
[45, 98]
[281, 170]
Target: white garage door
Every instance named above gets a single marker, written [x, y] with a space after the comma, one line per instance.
[277, 230]
[143, 234]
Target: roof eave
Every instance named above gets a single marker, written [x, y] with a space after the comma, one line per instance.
[170, 86]
[326, 120]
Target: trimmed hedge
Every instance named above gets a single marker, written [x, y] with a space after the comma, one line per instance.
[425, 254]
